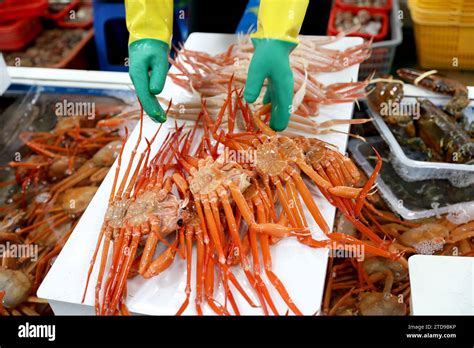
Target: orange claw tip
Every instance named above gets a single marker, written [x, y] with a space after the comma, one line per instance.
[27, 164]
[111, 122]
[345, 191]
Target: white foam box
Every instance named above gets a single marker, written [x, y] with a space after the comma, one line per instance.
[441, 285]
[4, 76]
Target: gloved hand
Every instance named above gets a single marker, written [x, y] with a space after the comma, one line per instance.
[148, 59]
[279, 22]
[271, 61]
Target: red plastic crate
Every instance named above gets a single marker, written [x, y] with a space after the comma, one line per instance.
[57, 16]
[380, 36]
[15, 35]
[386, 8]
[20, 9]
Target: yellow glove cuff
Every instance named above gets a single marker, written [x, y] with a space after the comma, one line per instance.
[280, 19]
[149, 19]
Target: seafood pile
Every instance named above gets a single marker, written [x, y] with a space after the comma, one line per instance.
[380, 286]
[228, 194]
[230, 209]
[368, 23]
[44, 191]
[368, 3]
[441, 134]
[189, 196]
[208, 76]
[51, 46]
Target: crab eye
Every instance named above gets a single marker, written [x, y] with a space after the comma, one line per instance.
[179, 222]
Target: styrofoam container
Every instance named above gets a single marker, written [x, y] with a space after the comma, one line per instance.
[458, 212]
[5, 79]
[441, 285]
[460, 175]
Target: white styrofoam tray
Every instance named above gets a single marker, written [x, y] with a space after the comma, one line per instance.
[301, 269]
[441, 285]
[4, 77]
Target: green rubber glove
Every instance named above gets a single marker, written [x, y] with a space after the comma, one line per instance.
[271, 60]
[148, 69]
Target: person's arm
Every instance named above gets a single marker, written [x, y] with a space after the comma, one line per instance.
[150, 24]
[279, 23]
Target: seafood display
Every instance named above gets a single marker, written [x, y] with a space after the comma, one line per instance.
[445, 137]
[420, 196]
[428, 129]
[45, 189]
[228, 207]
[380, 286]
[208, 75]
[221, 189]
[369, 24]
[50, 48]
[443, 85]
[232, 211]
[370, 3]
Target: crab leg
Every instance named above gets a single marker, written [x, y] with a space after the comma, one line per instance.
[189, 254]
[249, 219]
[115, 269]
[107, 231]
[39, 223]
[256, 270]
[361, 198]
[47, 230]
[340, 240]
[150, 245]
[346, 206]
[345, 191]
[267, 261]
[233, 303]
[308, 199]
[284, 202]
[116, 253]
[236, 239]
[214, 228]
[122, 280]
[462, 232]
[162, 262]
[213, 231]
[215, 212]
[239, 288]
[73, 180]
[297, 207]
[199, 269]
[121, 248]
[209, 286]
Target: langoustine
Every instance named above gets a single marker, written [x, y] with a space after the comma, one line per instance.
[380, 286]
[51, 186]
